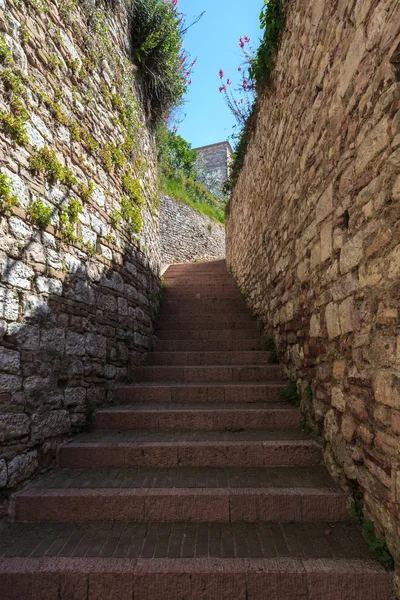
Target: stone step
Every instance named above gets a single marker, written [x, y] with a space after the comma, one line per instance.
[251, 448]
[200, 392]
[186, 477]
[182, 561]
[161, 505]
[209, 373]
[203, 314]
[198, 417]
[208, 358]
[236, 335]
[193, 305]
[206, 345]
[204, 324]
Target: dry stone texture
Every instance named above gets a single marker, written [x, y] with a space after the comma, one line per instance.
[73, 319]
[186, 235]
[313, 235]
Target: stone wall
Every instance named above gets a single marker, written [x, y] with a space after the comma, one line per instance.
[214, 160]
[187, 235]
[78, 295]
[313, 235]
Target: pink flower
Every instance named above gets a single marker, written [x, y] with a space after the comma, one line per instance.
[247, 39]
[245, 85]
[190, 82]
[228, 81]
[240, 69]
[241, 42]
[222, 88]
[193, 63]
[221, 74]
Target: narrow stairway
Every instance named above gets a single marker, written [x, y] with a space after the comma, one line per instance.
[199, 485]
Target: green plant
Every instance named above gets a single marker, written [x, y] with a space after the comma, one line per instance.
[290, 394]
[45, 160]
[89, 248]
[272, 21]
[53, 64]
[133, 189]
[24, 34]
[69, 178]
[86, 191]
[69, 216]
[88, 141]
[75, 131]
[115, 217]
[209, 227]
[12, 82]
[308, 394]
[14, 127]
[40, 214]
[7, 198]
[268, 345]
[156, 48]
[117, 155]
[377, 545]
[131, 214]
[6, 58]
[106, 159]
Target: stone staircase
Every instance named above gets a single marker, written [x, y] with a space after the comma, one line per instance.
[199, 485]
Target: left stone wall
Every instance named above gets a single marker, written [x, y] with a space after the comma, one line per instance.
[78, 297]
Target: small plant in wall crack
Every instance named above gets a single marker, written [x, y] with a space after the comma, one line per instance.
[268, 345]
[290, 394]
[7, 198]
[40, 214]
[377, 545]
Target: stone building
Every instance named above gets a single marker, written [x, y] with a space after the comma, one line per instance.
[213, 164]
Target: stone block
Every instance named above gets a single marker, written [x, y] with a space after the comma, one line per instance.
[394, 263]
[10, 383]
[3, 473]
[326, 242]
[75, 344]
[49, 286]
[18, 274]
[53, 340]
[332, 320]
[96, 345]
[315, 326]
[75, 397]
[387, 388]
[372, 144]
[9, 361]
[347, 316]
[352, 253]
[354, 56]
[52, 424]
[324, 205]
[338, 399]
[21, 467]
[13, 426]
[9, 304]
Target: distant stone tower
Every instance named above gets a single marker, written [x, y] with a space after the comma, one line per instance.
[213, 165]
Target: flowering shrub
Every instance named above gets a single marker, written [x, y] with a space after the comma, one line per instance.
[156, 30]
[241, 103]
[256, 79]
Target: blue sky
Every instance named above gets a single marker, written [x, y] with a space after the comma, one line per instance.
[214, 42]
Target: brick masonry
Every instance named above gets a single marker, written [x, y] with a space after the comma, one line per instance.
[72, 321]
[187, 235]
[313, 235]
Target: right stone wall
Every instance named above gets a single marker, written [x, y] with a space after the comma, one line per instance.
[313, 235]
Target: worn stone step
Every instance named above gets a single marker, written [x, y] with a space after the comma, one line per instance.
[204, 324]
[181, 416]
[186, 477]
[207, 358]
[202, 315]
[201, 392]
[206, 345]
[236, 335]
[195, 305]
[182, 561]
[249, 448]
[201, 505]
[210, 373]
